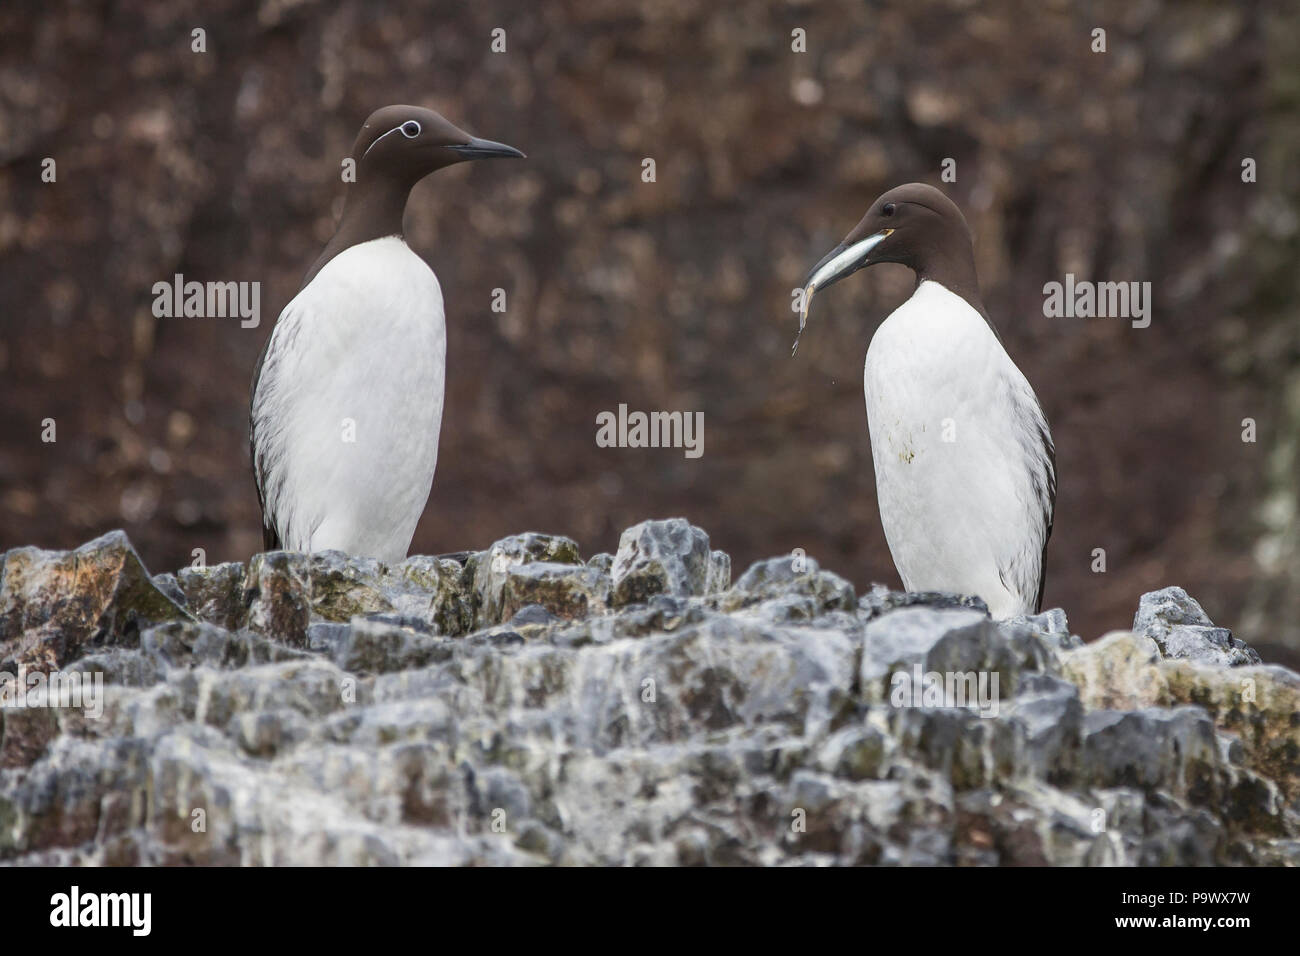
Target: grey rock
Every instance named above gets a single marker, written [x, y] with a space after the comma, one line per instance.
[516, 708]
[491, 570]
[168, 585]
[902, 638]
[278, 593]
[436, 590]
[1168, 606]
[660, 615]
[1048, 714]
[965, 748]
[666, 557]
[533, 614]
[1182, 629]
[719, 574]
[189, 644]
[417, 624]
[880, 600]
[380, 645]
[215, 594]
[1174, 750]
[1210, 645]
[342, 587]
[324, 637]
[988, 649]
[858, 752]
[1050, 627]
[566, 591]
[799, 584]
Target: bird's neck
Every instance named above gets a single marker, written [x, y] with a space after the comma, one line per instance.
[952, 265]
[373, 209]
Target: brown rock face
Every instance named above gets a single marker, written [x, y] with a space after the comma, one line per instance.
[671, 295]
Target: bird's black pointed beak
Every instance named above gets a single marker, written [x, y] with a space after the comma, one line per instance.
[820, 268]
[845, 259]
[486, 149]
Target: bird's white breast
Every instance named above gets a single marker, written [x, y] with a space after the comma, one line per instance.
[349, 403]
[957, 441]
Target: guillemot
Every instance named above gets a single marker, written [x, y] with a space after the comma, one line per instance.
[964, 459]
[347, 395]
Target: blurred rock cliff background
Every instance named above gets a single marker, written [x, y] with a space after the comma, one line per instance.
[673, 295]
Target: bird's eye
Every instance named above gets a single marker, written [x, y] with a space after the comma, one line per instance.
[410, 129]
[889, 209]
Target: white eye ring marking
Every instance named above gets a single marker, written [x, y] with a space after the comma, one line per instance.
[396, 129]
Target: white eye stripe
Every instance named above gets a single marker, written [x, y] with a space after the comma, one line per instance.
[396, 129]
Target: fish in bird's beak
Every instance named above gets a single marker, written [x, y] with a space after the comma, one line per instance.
[845, 259]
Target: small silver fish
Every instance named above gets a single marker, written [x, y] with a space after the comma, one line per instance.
[803, 316]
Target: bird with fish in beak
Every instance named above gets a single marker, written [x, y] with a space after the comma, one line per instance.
[964, 459]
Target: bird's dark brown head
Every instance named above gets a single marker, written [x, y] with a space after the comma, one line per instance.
[913, 224]
[396, 148]
[406, 143]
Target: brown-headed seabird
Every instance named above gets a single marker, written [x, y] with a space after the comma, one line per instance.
[965, 465]
[347, 396]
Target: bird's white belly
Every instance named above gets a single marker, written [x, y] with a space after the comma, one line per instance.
[359, 391]
[953, 483]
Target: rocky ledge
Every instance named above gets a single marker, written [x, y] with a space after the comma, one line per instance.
[522, 706]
